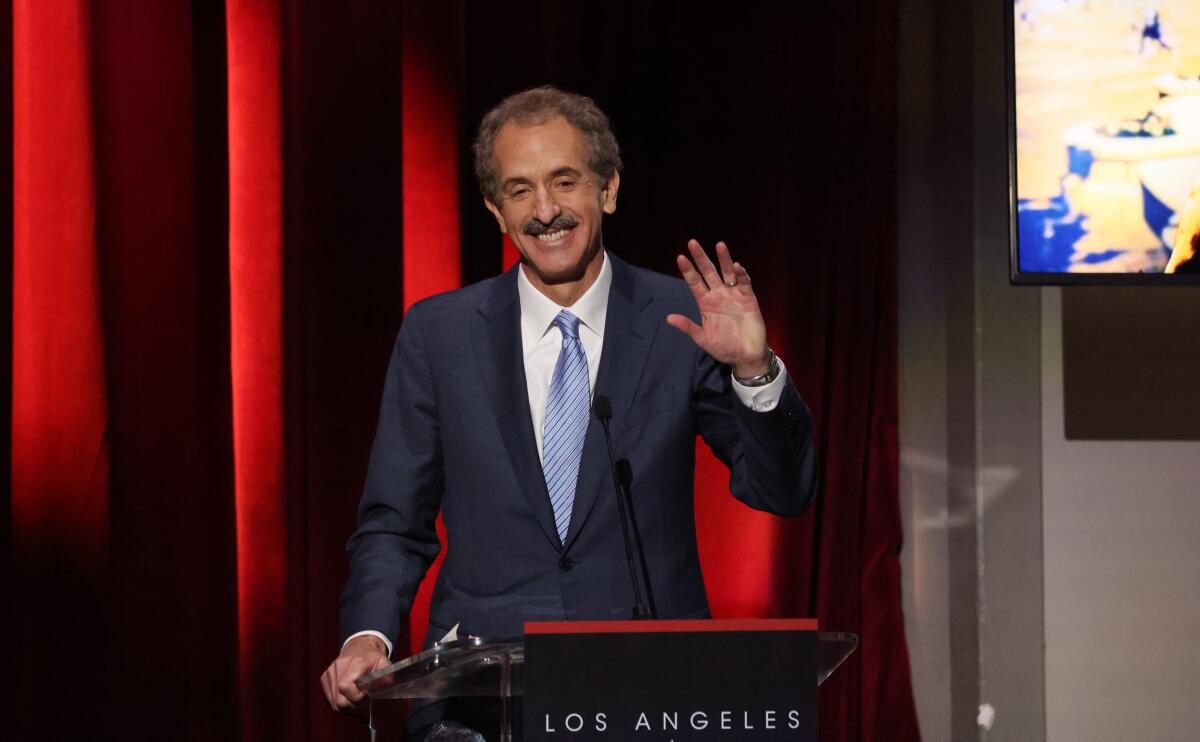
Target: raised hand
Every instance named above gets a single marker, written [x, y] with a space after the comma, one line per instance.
[731, 327]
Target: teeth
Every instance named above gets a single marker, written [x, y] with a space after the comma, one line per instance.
[552, 236]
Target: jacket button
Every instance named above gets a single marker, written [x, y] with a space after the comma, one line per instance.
[566, 564]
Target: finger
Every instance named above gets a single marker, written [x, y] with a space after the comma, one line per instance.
[342, 676]
[743, 278]
[386, 680]
[691, 276]
[349, 680]
[708, 271]
[728, 274]
[350, 691]
[686, 326]
[337, 700]
[327, 689]
[342, 703]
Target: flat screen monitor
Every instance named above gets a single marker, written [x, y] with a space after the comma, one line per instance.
[1104, 117]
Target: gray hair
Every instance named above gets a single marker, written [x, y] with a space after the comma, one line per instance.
[535, 107]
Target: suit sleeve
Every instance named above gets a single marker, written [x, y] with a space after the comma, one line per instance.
[769, 454]
[396, 539]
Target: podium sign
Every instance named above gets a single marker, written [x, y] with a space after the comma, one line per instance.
[677, 681]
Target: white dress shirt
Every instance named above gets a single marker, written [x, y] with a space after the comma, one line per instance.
[541, 341]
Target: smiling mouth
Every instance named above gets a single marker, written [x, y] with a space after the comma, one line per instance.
[554, 236]
[557, 229]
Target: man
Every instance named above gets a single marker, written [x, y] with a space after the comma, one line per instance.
[486, 412]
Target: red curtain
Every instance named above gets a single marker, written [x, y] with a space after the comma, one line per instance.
[220, 214]
[257, 359]
[60, 463]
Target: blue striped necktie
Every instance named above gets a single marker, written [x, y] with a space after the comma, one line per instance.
[566, 421]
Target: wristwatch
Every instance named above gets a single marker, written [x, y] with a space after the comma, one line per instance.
[763, 379]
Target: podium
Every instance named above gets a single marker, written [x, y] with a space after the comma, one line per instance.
[480, 667]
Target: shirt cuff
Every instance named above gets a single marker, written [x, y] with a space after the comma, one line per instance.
[382, 638]
[762, 398]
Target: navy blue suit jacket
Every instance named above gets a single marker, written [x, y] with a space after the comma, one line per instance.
[455, 433]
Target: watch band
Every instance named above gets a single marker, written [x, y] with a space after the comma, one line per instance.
[763, 379]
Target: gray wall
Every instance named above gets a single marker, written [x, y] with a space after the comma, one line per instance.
[1122, 563]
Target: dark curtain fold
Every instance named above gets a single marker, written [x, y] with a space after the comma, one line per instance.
[163, 277]
[220, 214]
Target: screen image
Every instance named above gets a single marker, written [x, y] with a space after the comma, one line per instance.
[1106, 97]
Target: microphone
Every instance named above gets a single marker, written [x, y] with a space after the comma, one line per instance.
[622, 475]
[602, 406]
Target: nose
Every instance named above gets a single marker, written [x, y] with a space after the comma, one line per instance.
[546, 208]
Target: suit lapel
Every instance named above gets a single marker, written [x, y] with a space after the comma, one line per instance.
[496, 338]
[629, 331]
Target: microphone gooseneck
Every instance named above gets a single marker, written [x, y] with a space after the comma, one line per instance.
[621, 476]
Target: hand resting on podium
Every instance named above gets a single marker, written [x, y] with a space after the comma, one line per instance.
[362, 655]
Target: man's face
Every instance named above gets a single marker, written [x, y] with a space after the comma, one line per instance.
[550, 201]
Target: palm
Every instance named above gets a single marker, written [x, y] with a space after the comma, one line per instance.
[731, 327]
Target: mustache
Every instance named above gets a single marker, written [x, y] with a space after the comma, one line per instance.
[563, 221]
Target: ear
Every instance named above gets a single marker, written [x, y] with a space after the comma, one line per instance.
[609, 194]
[496, 213]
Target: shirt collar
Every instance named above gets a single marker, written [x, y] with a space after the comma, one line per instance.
[538, 310]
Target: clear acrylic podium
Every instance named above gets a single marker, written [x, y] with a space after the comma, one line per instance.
[483, 668]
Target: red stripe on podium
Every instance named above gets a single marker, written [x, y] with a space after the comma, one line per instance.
[682, 627]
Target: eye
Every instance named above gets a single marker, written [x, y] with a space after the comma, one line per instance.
[564, 184]
[519, 192]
